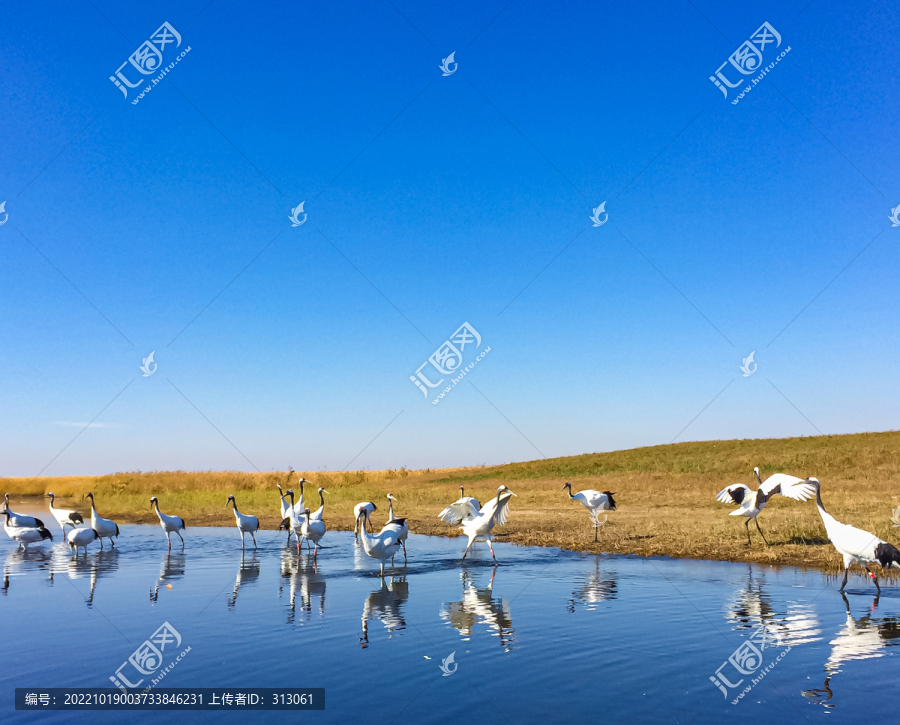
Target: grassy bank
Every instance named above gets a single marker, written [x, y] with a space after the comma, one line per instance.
[665, 496]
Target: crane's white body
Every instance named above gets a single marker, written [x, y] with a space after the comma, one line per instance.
[312, 530]
[64, 517]
[170, 524]
[855, 545]
[363, 507]
[80, 538]
[294, 521]
[105, 528]
[381, 546]
[480, 523]
[459, 509]
[750, 503]
[245, 524]
[285, 511]
[25, 535]
[595, 502]
[399, 525]
[20, 520]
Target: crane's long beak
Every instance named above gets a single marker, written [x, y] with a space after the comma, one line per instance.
[324, 491]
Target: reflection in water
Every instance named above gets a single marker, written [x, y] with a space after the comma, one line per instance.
[385, 604]
[859, 639]
[478, 606]
[97, 565]
[302, 571]
[171, 568]
[21, 560]
[751, 607]
[596, 588]
[247, 573]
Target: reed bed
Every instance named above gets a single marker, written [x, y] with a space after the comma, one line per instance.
[665, 497]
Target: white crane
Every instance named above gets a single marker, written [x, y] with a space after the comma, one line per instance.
[363, 507]
[594, 502]
[399, 525]
[479, 523]
[21, 520]
[751, 503]
[293, 522]
[64, 517]
[380, 546]
[170, 524]
[319, 513]
[300, 506]
[105, 528]
[312, 530]
[460, 508]
[855, 544]
[24, 535]
[245, 524]
[80, 538]
[285, 511]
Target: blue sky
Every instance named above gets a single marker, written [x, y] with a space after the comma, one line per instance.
[435, 200]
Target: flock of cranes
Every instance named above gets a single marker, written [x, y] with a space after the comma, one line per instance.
[476, 521]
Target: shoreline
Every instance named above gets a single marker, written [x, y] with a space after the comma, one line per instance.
[666, 498]
[818, 554]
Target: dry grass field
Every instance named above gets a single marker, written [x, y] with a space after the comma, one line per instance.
[665, 497]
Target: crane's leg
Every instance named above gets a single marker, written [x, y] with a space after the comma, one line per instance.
[491, 545]
[846, 570]
[242, 538]
[180, 537]
[169, 539]
[747, 527]
[101, 545]
[468, 546]
[404, 550]
[874, 577]
[253, 536]
[760, 531]
[595, 530]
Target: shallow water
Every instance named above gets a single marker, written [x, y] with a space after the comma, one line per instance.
[547, 636]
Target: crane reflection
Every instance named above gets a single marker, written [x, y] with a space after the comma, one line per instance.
[860, 638]
[479, 606]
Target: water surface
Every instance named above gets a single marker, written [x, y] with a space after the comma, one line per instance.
[547, 636]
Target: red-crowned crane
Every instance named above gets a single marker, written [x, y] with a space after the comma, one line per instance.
[594, 502]
[170, 524]
[855, 544]
[245, 524]
[751, 503]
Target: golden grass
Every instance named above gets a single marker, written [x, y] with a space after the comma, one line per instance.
[665, 496]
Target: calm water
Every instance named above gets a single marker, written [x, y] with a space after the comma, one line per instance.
[548, 636]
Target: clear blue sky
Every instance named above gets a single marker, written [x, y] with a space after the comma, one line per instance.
[725, 222]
